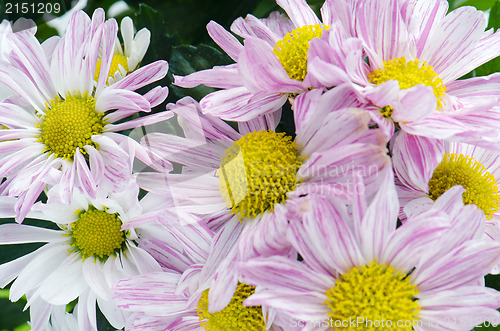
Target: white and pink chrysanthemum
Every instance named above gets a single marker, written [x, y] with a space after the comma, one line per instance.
[61, 126]
[369, 271]
[200, 290]
[272, 64]
[84, 257]
[416, 52]
[249, 177]
[427, 168]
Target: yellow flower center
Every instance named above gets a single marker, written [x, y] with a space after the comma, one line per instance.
[70, 123]
[235, 316]
[480, 186]
[117, 59]
[257, 172]
[97, 233]
[373, 292]
[409, 74]
[292, 49]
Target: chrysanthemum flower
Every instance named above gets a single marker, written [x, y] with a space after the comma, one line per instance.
[270, 67]
[63, 128]
[427, 168]
[363, 270]
[85, 257]
[250, 176]
[416, 52]
[199, 291]
[126, 58]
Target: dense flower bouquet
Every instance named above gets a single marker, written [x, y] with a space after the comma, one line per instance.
[330, 166]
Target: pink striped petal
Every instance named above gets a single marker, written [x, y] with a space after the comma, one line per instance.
[486, 49]
[475, 90]
[426, 16]
[251, 26]
[451, 39]
[96, 163]
[85, 177]
[380, 25]
[22, 85]
[15, 117]
[228, 104]
[453, 269]
[384, 94]
[167, 256]
[184, 151]
[414, 104]
[201, 127]
[110, 30]
[67, 182]
[143, 76]
[116, 162]
[152, 294]
[285, 279]
[340, 127]
[225, 40]
[299, 12]
[156, 96]
[406, 246]
[261, 69]
[415, 158]
[262, 103]
[338, 10]
[379, 220]
[265, 235]
[223, 247]
[141, 121]
[319, 217]
[29, 196]
[125, 102]
[134, 148]
[29, 57]
[218, 77]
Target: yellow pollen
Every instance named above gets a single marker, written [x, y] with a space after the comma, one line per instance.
[373, 292]
[409, 74]
[291, 51]
[117, 59]
[480, 186]
[235, 316]
[97, 233]
[70, 123]
[257, 172]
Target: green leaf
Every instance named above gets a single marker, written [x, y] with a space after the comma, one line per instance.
[161, 41]
[487, 326]
[160, 47]
[189, 17]
[44, 32]
[12, 315]
[479, 4]
[494, 21]
[187, 59]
